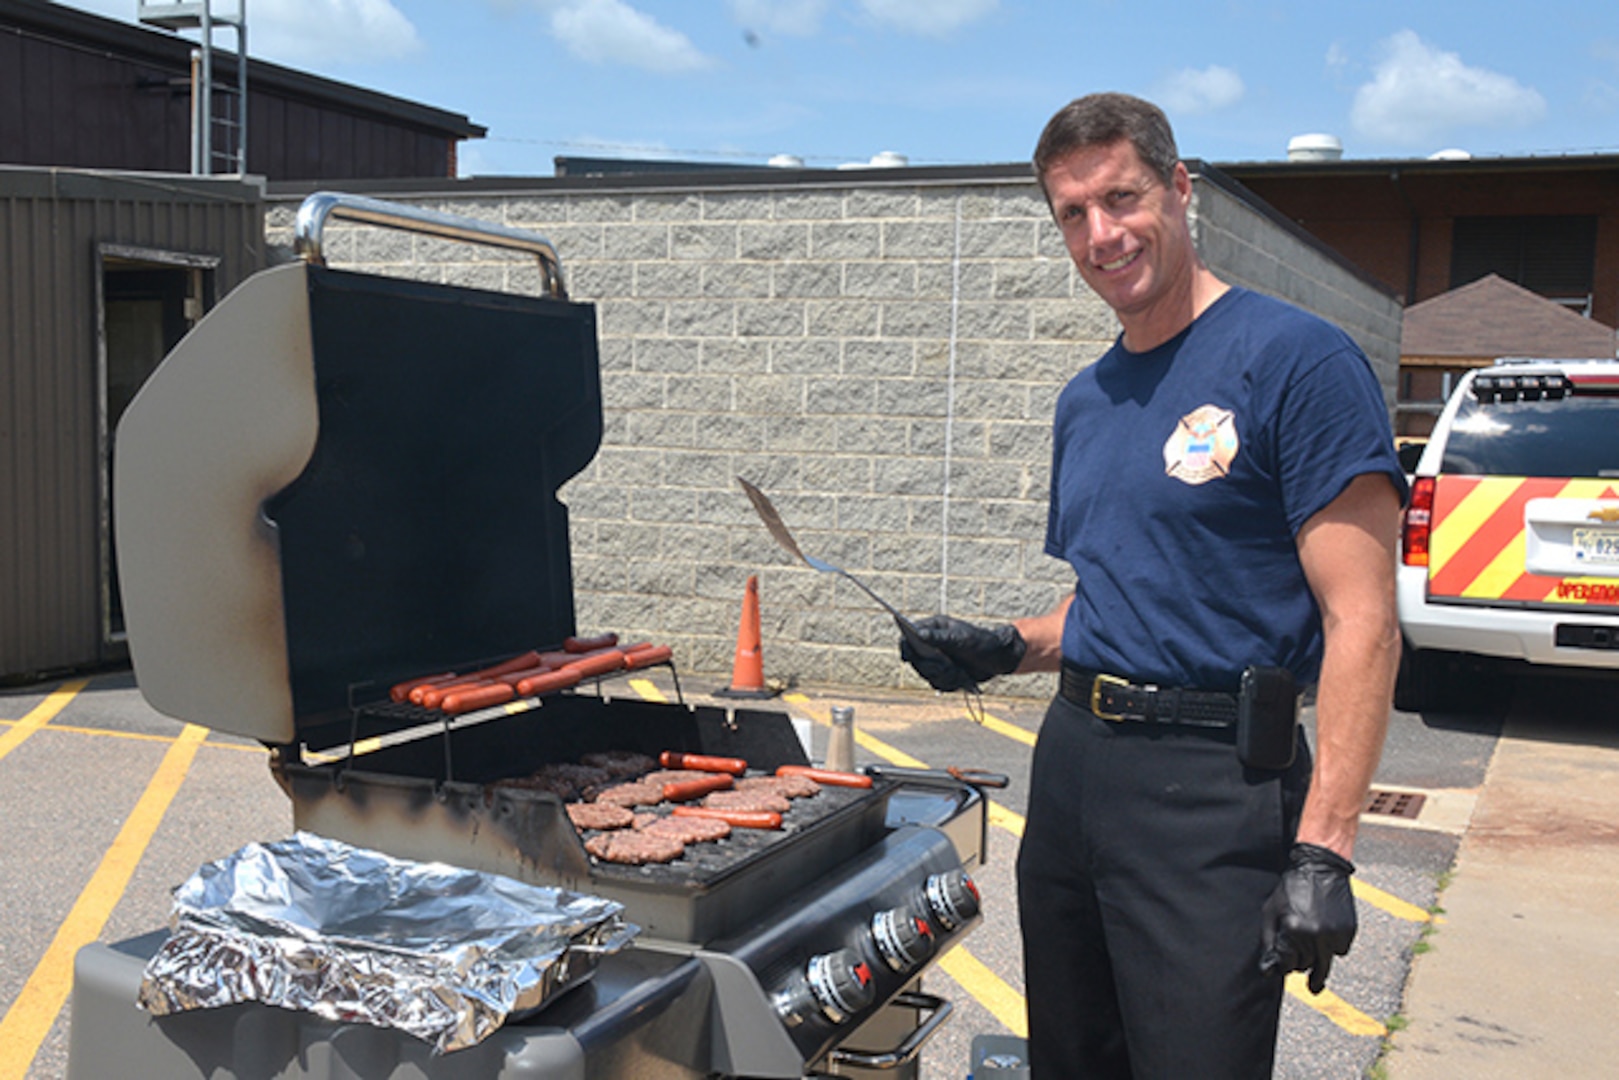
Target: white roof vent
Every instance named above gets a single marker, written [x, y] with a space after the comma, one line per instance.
[1315, 147]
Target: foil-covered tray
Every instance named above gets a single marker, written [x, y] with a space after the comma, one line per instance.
[443, 953]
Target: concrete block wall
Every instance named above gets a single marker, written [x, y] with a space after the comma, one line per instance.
[1250, 248]
[879, 354]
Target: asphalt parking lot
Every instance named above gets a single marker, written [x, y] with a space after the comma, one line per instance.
[109, 805]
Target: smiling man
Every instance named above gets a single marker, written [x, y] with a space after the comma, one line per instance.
[1224, 486]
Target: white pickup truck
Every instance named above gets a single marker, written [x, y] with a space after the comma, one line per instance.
[1510, 548]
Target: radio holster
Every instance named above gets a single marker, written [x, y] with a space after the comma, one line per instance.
[1267, 718]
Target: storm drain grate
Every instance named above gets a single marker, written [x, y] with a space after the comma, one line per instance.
[1402, 804]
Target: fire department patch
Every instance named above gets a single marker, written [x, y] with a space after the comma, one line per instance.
[1202, 446]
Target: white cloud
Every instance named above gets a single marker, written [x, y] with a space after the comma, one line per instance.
[792, 18]
[303, 33]
[309, 32]
[612, 32]
[1419, 94]
[933, 18]
[1191, 91]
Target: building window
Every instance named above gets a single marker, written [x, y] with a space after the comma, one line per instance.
[1550, 255]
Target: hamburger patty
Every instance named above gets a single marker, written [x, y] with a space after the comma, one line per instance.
[599, 816]
[634, 847]
[748, 800]
[689, 830]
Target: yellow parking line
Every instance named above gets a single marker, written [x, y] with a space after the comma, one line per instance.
[29, 1020]
[1006, 819]
[1011, 731]
[1334, 1008]
[988, 988]
[143, 736]
[1388, 903]
[40, 715]
[648, 690]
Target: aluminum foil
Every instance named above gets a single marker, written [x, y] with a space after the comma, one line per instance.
[348, 934]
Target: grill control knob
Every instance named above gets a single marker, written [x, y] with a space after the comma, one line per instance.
[952, 897]
[904, 938]
[840, 983]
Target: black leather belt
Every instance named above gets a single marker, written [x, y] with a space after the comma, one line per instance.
[1111, 697]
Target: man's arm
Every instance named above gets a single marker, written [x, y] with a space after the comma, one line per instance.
[1348, 553]
[1043, 634]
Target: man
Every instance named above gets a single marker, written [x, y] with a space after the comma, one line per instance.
[1225, 487]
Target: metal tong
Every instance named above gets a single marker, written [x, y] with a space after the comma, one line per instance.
[767, 513]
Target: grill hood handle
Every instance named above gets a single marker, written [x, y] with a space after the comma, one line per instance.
[978, 778]
[317, 208]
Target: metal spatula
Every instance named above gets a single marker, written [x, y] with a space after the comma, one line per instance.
[767, 514]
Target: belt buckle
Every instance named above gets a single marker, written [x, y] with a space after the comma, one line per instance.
[1096, 695]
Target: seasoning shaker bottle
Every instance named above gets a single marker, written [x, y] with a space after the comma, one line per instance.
[840, 744]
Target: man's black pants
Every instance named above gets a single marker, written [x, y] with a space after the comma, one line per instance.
[1146, 858]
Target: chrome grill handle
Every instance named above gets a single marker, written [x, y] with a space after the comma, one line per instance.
[318, 208]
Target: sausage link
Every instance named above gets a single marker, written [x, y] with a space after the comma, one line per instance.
[826, 776]
[640, 657]
[674, 759]
[742, 819]
[589, 644]
[478, 697]
[433, 696]
[547, 681]
[401, 691]
[599, 663]
[687, 790]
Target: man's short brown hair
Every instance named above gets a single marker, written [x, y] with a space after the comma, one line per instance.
[1101, 119]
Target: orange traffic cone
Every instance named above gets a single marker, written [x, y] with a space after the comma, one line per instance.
[748, 673]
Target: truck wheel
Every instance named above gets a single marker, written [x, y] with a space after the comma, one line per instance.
[1417, 685]
[1432, 681]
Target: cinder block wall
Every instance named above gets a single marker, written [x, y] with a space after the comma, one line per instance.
[1250, 245]
[879, 353]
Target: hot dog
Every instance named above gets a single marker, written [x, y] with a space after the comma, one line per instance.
[547, 681]
[589, 644]
[826, 776]
[478, 697]
[742, 819]
[599, 663]
[686, 790]
[674, 759]
[401, 691]
[433, 696]
[640, 657]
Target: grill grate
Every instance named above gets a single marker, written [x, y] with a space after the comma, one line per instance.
[1400, 804]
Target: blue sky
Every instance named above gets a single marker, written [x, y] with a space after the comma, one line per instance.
[960, 81]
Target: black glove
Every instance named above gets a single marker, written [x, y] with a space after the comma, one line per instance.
[972, 654]
[1310, 918]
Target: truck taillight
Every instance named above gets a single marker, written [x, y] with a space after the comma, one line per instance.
[1418, 523]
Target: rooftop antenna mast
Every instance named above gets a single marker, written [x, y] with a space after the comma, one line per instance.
[218, 114]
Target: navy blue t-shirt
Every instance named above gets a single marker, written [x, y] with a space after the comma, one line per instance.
[1180, 478]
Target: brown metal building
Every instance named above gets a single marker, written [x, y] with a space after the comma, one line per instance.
[1424, 227]
[89, 92]
[100, 274]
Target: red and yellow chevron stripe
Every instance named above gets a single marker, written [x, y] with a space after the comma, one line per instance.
[1478, 546]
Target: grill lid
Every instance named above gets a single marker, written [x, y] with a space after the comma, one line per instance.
[338, 481]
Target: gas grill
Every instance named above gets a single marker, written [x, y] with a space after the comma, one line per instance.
[339, 481]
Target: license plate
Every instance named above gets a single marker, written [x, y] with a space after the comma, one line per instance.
[1596, 545]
